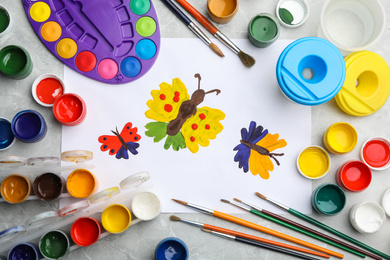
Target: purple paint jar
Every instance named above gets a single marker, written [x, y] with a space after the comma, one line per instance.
[29, 126]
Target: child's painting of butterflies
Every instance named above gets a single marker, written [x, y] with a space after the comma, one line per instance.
[120, 143]
[255, 150]
[179, 119]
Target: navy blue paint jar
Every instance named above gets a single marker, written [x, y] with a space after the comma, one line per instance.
[29, 126]
[7, 138]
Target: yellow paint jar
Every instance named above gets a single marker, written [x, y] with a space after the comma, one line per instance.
[313, 162]
[81, 183]
[15, 188]
[116, 218]
[340, 138]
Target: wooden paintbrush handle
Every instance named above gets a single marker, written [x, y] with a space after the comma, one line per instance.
[198, 16]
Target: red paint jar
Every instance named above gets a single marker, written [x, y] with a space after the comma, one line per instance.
[375, 153]
[85, 231]
[70, 109]
[47, 88]
[354, 176]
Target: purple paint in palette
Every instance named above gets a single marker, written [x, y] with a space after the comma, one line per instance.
[112, 41]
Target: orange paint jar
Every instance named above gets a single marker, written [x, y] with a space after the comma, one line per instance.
[15, 188]
[222, 11]
[81, 183]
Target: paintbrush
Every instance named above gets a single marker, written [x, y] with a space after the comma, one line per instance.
[245, 58]
[288, 225]
[259, 244]
[281, 218]
[323, 226]
[258, 227]
[195, 29]
[239, 234]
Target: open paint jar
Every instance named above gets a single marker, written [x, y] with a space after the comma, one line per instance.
[48, 186]
[7, 138]
[354, 176]
[375, 153]
[54, 244]
[5, 21]
[47, 88]
[145, 206]
[367, 217]
[85, 231]
[29, 126]
[328, 199]
[15, 62]
[81, 183]
[292, 13]
[263, 30]
[340, 138]
[222, 11]
[385, 202]
[171, 248]
[116, 218]
[313, 162]
[15, 188]
[23, 251]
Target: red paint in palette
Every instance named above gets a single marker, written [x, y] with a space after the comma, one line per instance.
[376, 153]
[49, 89]
[85, 231]
[70, 109]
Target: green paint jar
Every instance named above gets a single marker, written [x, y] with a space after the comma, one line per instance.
[15, 62]
[328, 199]
[263, 30]
[5, 21]
[54, 244]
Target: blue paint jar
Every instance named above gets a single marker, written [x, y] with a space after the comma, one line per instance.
[171, 248]
[29, 126]
[310, 71]
[24, 251]
[7, 138]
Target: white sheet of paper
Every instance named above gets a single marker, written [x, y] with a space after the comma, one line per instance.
[247, 94]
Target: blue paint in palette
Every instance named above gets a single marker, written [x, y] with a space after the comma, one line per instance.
[29, 126]
[7, 138]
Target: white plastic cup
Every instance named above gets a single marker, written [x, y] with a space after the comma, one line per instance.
[352, 25]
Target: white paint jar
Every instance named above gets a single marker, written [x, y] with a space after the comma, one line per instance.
[367, 217]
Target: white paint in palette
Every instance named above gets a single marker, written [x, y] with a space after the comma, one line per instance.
[146, 206]
[367, 217]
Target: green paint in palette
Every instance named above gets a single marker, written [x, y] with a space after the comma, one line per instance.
[4, 20]
[54, 244]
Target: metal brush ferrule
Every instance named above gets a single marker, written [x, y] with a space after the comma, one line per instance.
[239, 206]
[252, 206]
[195, 29]
[227, 42]
[193, 223]
[201, 209]
[280, 205]
[223, 235]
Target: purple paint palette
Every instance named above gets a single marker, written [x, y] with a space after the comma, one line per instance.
[112, 41]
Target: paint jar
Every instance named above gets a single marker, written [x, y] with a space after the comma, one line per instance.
[375, 152]
[81, 183]
[328, 199]
[116, 218]
[47, 88]
[15, 188]
[7, 138]
[171, 248]
[29, 126]
[48, 186]
[263, 30]
[313, 162]
[222, 11]
[303, 72]
[292, 13]
[54, 244]
[367, 217]
[24, 251]
[70, 109]
[5, 21]
[354, 176]
[340, 138]
[85, 231]
[146, 206]
[366, 86]
[15, 62]
[352, 25]
[385, 202]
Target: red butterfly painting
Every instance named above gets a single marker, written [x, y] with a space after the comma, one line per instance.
[120, 143]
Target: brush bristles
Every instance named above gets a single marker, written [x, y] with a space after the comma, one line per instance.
[226, 201]
[175, 218]
[248, 60]
[215, 49]
[180, 202]
[237, 200]
[261, 196]
[206, 230]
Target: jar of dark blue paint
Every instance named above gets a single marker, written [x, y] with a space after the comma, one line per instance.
[7, 138]
[29, 126]
[27, 251]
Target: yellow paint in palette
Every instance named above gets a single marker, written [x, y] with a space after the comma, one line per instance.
[313, 162]
[340, 138]
[116, 218]
[81, 183]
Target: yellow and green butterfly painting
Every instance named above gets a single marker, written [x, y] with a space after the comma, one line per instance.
[178, 118]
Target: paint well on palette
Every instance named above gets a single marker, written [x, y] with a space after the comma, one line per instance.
[48, 186]
[54, 244]
[102, 47]
[116, 218]
[376, 153]
[15, 188]
[85, 231]
[81, 183]
[7, 138]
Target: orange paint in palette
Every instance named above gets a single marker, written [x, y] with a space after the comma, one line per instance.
[15, 188]
[81, 183]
